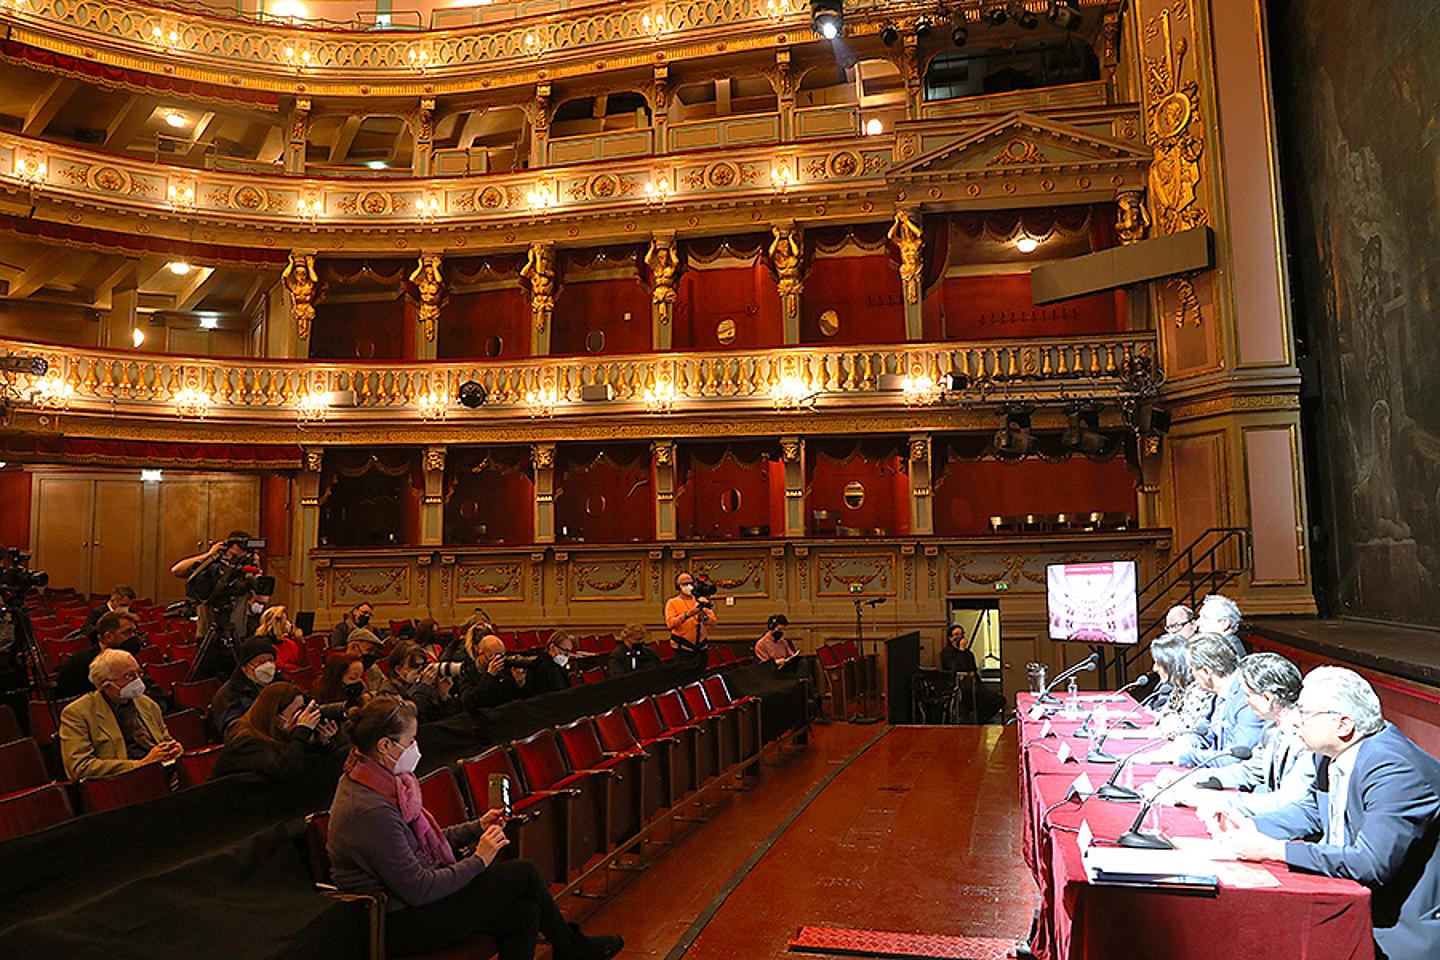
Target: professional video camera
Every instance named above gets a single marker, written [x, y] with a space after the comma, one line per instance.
[23, 671]
[704, 589]
[222, 580]
[16, 579]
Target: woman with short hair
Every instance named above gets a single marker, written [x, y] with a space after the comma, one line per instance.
[442, 885]
[1189, 703]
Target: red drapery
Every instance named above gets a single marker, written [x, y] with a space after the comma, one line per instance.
[133, 79]
[148, 453]
[109, 242]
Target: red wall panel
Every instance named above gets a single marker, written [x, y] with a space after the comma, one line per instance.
[373, 330]
[698, 514]
[470, 320]
[969, 493]
[602, 305]
[605, 503]
[745, 295]
[15, 515]
[501, 501]
[886, 488]
[999, 307]
[864, 291]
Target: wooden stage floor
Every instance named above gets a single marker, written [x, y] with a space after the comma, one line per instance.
[917, 831]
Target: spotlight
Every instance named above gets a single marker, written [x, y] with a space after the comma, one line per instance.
[1083, 434]
[956, 382]
[960, 35]
[1023, 18]
[888, 34]
[1151, 420]
[1014, 439]
[1063, 14]
[922, 28]
[472, 394]
[827, 17]
[995, 16]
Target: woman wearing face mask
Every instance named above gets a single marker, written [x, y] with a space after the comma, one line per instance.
[439, 891]
[342, 680]
[413, 677]
[276, 627]
[276, 736]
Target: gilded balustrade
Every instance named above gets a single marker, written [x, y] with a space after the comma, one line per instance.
[242, 388]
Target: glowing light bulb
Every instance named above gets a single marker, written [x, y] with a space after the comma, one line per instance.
[1027, 244]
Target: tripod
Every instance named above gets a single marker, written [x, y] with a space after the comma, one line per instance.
[216, 654]
[866, 666]
[26, 663]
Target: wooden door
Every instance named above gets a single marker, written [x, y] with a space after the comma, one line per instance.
[234, 505]
[62, 540]
[184, 512]
[115, 535]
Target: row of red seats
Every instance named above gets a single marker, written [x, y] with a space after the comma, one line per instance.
[853, 678]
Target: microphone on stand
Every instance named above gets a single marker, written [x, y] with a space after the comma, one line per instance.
[1144, 680]
[1164, 690]
[1135, 837]
[1089, 663]
[1110, 790]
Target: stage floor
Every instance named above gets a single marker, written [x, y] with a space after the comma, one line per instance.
[917, 831]
[1409, 652]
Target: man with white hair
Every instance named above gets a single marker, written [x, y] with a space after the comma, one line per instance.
[1219, 614]
[1372, 815]
[114, 728]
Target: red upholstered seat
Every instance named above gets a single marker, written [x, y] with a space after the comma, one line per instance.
[188, 727]
[9, 724]
[542, 838]
[747, 708]
[624, 784]
[197, 766]
[168, 673]
[198, 694]
[615, 733]
[441, 793]
[678, 745]
[593, 675]
[545, 769]
[43, 723]
[21, 766]
[723, 726]
[58, 651]
[304, 678]
[134, 786]
[33, 810]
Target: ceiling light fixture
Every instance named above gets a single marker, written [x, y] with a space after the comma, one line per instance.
[827, 17]
[176, 119]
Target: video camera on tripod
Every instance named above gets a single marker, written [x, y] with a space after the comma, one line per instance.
[228, 576]
[22, 667]
[17, 579]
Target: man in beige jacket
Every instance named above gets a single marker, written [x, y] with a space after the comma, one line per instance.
[116, 728]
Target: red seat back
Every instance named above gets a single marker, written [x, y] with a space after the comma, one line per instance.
[168, 673]
[672, 708]
[149, 656]
[58, 651]
[43, 724]
[440, 792]
[9, 724]
[615, 732]
[198, 694]
[317, 837]
[197, 766]
[21, 766]
[695, 700]
[582, 744]
[34, 810]
[133, 786]
[849, 650]
[541, 761]
[304, 678]
[184, 651]
[188, 727]
[646, 719]
[476, 771]
[593, 675]
[828, 656]
[717, 692]
[589, 644]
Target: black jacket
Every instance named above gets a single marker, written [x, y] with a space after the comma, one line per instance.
[480, 690]
[625, 660]
[231, 700]
[546, 676]
[955, 660]
[247, 754]
[428, 705]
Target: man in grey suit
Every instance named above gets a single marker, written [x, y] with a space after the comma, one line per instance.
[1373, 814]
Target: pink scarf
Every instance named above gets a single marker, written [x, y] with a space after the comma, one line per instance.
[404, 790]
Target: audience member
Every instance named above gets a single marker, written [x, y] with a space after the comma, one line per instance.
[485, 680]
[549, 672]
[1180, 621]
[276, 736]
[958, 658]
[115, 728]
[1372, 814]
[631, 653]
[1214, 667]
[1188, 703]
[442, 885]
[1219, 614]
[427, 637]
[773, 646]
[112, 631]
[415, 678]
[288, 641]
[689, 620]
[342, 680]
[121, 599]
[254, 669]
[357, 616]
[363, 643]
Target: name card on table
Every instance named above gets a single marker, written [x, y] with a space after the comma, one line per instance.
[1085, 837]
[1045, 731]
[1063, 753]
[1037, 711]
[1082, 787]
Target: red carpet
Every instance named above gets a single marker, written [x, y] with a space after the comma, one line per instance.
[883, 943]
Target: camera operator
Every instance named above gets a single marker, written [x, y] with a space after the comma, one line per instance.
[689, 615]
[486, 679]
[546, 674]
[113, 631]
[277, 735]
[227, 585]
[254, 671]
[772, 645]
[413, 677]
[357, 616]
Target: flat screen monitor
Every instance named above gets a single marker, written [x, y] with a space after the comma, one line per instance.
[1092, 602]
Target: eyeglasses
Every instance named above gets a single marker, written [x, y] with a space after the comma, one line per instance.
[125, 678]
[1307, 714]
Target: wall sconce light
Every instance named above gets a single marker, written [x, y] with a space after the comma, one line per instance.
[433, 405]
[299, 59]
[165, 37]
[309, 206]
[782, 176]
[654, 23]
[920, 390]
[312, 407]
[777, 9]
[419, 58]
[660, 398]
[542, 402]
[428, 206]
[181, 194]
[544, 196]
[52, 393]
[658, 189]
[30, 168]
[191, 402]
[790, 393]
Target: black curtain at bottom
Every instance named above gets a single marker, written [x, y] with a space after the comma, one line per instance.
[217, 871]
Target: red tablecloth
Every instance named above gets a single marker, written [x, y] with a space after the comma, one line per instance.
[1306, 916]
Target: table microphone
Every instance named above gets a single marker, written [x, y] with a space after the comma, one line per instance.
[1110, 790]
[1135, 837]
[1124, 720]
[1089, 663]
[1144, 680]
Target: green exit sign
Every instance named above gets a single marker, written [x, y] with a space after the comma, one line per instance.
[857, 587]
[1002, 585]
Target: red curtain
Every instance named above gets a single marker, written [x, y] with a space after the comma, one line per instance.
[721, 488]
[107, 242]
[119, 76]
[145, 453]
[968, 493]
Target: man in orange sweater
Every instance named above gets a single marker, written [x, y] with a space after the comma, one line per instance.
[689, 620]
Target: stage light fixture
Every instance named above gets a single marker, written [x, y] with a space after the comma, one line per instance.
[1064, 14]
[889, 34]
[472, 394]
[1151, 420]
[1015, 439]
[1083, 433]
[827, 17]
[1023, 18]
[995, 16]
[960, 35]
[922, 28]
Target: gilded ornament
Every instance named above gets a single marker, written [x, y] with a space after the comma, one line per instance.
[301, 281]
[429, 284]
[1173, 115]
[1131, 217]
[722, 174]
[1018, 153]
[910, 239]
[248, 198]
[846, 163]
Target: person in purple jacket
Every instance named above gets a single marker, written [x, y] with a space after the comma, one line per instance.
[442, 885]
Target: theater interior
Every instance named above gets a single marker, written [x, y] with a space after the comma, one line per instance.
[469, 321]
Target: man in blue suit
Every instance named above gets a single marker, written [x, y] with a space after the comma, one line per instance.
[1214, 666]
[1372, 815]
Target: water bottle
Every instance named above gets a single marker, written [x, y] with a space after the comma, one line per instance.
[1072, 699]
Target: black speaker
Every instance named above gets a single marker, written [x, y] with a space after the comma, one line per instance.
[902, 663]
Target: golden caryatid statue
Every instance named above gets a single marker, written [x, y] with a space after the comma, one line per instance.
[906, 235]
[785, 257]
[301, 281]
[539, 272]
[429, 284]
[1132, 220]
[663, 265]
